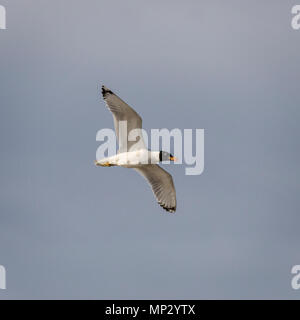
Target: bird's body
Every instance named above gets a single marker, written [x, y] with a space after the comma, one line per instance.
[133, 153]
[131, 159]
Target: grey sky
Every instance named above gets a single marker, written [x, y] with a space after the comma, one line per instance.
[71, 230]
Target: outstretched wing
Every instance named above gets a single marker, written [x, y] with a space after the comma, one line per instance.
[124, 116]
[162, 185]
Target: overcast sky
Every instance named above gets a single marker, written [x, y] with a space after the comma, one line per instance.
[69, 229]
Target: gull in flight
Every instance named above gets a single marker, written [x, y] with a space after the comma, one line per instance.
[134, 154]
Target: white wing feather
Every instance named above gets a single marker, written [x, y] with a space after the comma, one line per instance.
[162, 185]
[123, 112]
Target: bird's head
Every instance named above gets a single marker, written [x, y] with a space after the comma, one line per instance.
[166, 156]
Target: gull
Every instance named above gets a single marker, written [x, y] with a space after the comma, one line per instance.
[134, 154]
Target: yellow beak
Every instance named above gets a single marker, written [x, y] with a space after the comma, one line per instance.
[173, 158]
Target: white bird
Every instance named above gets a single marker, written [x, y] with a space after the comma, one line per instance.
[133, 154]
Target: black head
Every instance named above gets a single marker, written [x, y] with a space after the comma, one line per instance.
[166, 156]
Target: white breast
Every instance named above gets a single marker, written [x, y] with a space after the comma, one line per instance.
[135, 158]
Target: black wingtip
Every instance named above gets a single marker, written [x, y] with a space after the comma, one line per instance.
[169, 209]
[106, 91]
